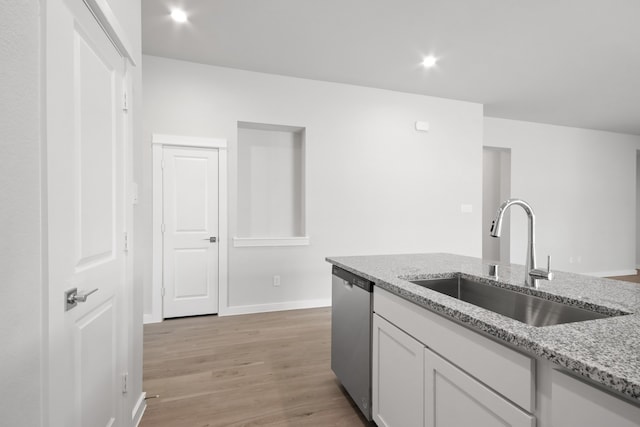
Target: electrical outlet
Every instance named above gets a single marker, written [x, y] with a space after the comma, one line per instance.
[579, 259]
[276, 280]
[570, 260]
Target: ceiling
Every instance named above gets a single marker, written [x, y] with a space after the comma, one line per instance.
[565, 62]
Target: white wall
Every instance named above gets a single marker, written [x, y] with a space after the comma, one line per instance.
[21, 291]
[496, 188]
[490, 199]
[374, 184]
[581, 184]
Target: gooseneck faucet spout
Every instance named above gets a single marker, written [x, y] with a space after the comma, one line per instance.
[532, 274]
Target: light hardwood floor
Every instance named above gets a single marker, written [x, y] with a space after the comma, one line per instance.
[270, 369]
[635, 278]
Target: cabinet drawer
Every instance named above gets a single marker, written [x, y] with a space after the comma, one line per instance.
[454, 398]
[506, 371]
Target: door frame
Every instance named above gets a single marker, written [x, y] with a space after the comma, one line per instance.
[159, 141]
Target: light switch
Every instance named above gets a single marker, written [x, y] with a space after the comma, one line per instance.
[466, 208]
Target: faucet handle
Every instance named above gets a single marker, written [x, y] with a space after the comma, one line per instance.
[541, 274]
[549, 273]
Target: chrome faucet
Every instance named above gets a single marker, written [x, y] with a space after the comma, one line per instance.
[532, 274]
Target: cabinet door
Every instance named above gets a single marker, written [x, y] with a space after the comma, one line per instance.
[398, 377]
[578, 404]
[454, 398]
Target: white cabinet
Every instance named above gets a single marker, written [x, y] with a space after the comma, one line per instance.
[413, 386]
[504, 370]
[577, 404]
[454, 398]
[398, 377]
[430, 372]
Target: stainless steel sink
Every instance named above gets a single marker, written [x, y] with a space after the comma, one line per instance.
[522, 307]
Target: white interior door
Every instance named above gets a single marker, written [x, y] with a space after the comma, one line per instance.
[190, 210]
[85, 209]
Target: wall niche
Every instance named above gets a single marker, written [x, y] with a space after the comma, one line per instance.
[271, 185]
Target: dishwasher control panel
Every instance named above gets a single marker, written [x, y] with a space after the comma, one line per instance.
[352, 279]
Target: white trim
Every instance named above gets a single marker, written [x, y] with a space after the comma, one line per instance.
[270, 126]
[303, 183]
[138, 409]
[159, 141]
[188, 141]
[278, 306]
[223, 234]
[148, 318]
[245, 242]
[111, 26]
[156, 264]
[613, 273]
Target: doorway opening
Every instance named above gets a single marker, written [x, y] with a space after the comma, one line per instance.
[496, 187]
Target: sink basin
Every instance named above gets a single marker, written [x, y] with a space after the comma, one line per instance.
[525, 308]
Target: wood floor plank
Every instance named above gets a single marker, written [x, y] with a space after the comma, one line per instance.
[268, 369]
[635, 278]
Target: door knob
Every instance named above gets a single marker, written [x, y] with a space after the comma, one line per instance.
[73, 297]
[212, 239]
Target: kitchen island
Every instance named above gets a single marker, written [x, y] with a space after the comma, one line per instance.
[600, 355]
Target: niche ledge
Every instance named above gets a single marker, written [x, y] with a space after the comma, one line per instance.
[247, 242]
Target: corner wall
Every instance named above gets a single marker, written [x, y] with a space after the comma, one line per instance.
[582, 186]
[21, 289]
[373, 183]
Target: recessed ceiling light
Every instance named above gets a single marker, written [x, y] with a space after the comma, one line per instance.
[429, 61]
[179, 15]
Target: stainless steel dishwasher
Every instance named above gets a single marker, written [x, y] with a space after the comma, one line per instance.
[351, 307]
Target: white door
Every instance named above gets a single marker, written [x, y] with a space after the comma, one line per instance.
[85, 217]
[190, 212]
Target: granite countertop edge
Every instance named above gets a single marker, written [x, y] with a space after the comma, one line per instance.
[543, 342]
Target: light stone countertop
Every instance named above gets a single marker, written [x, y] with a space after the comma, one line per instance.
[606, 350]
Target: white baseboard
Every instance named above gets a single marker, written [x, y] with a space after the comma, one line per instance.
[613, 273]
[280, 306]
[149, 318]
[138, 410]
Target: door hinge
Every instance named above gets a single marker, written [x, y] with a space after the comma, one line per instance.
[162, 227]
[126, 241]
[125, 106]
[162, 164]
[162, 291]
[125, 377]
